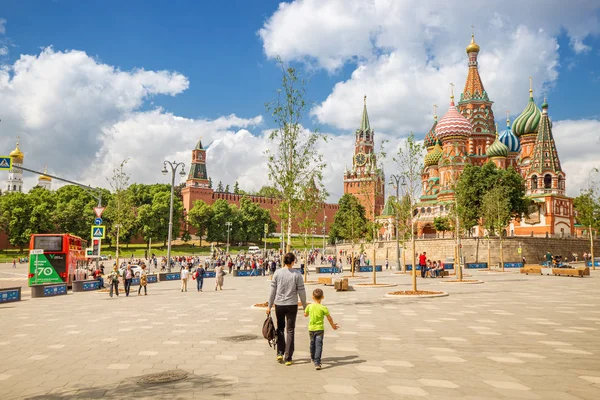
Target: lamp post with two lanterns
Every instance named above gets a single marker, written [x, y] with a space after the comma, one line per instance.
[173, 165]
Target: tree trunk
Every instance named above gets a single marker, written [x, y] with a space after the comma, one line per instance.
[288, 245]
[501, 253]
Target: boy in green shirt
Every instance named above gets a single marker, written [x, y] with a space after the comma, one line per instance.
[316, 326]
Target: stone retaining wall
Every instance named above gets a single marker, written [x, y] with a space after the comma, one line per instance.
[476, 249]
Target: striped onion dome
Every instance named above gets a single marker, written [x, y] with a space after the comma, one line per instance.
[434, 157]
[510, 140]
[453, 124]
[497, 149]
[528, 121]
[430, 138]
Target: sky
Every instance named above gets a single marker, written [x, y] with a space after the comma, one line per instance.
[87, 84]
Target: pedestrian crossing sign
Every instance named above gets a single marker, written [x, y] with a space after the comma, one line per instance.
[5, 163]
[98, 232]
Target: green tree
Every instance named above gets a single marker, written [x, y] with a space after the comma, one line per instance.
[210, 184]
[153, 219]
[74, 212]
[476, 181]
[220, 187]
[268, 191]
[409, 160]
[121, 208]
[250, 221]
[236, 188]
[15, 210]
[350, 221]
[222, 212]
[200, 217]
[293, 158]
[442, 224]
[496, 213]
[587, 212]
[226, 188]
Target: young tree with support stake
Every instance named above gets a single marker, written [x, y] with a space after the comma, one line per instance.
[496, 213]
[409, 160]
[587, 207]
[293, 158]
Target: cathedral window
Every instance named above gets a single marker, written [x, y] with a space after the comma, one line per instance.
[547, 181]
[534, 182]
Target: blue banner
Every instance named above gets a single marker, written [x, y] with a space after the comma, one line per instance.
[247, 272]
[328, 270]
[477, 265]
[91, 285]
[513, 265]
[589, 263]
[152, 278]
[369, 268]
[8, 295]
[173, 276]
[55, 290]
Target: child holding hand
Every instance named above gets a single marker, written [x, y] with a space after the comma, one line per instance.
[316, 326]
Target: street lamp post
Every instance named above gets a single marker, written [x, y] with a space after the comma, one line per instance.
[395, 180]
[590, 227]
[324, 230]
[228, 224]
[173, 165]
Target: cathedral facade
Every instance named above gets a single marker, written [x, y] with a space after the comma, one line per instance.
[468, 135]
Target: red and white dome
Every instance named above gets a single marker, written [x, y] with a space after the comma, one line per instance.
[453, 124]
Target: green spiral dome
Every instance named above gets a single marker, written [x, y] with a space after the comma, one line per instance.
[528, 121]
[497, 149]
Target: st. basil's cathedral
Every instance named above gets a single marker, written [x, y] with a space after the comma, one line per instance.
[467, 135]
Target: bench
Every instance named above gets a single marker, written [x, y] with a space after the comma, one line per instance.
[49, 290]
[325, 281]
[369, 268]
[580, 272]
[341, 285]
[531, 269]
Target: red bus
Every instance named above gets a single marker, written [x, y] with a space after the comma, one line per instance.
[54, 258]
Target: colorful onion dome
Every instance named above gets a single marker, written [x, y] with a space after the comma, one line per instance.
[472, 47]
[453, 124]
[509, 139]
[434, 157]
[497, 149]
[430, 138]
[528, 121]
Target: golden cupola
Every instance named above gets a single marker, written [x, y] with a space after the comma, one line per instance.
[472, 47]
[17, 154]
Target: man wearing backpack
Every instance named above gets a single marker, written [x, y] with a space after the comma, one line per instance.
[200, 272]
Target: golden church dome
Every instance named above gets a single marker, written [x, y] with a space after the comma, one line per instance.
[472, 47]
[17, 153]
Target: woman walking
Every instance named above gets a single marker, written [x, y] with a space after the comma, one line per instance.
[143, 281]
[219, 273]
[286, 287]
[113, 281]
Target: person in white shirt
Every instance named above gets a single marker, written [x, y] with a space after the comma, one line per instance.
[185, 275]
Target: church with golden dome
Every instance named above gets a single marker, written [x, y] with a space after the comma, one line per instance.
[14, 183]
[468, 135]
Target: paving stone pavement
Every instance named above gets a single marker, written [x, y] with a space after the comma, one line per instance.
[513, 337]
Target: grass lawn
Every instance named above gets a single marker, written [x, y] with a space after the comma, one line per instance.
[178, 249]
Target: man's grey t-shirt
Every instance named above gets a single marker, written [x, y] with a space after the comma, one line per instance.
[286, 286]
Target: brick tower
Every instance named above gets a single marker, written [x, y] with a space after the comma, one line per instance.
[365, 180]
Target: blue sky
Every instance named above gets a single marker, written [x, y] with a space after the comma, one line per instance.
[210, 68]
[215, 44]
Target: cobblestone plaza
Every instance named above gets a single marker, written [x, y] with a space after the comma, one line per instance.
[512, 337]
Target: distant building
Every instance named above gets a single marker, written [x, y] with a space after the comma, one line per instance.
[197, 188]
[14, 183]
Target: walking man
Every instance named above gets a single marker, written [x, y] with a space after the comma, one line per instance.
[200, 271]
[185, 274]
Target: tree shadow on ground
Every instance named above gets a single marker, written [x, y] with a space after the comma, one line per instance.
[208, 384]
[332, 362]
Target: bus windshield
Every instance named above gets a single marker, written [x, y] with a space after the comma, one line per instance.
[48, 243]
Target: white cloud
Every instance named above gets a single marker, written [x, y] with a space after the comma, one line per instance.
[3, 51]
[578, 145]
[406, 54]
[579, 46]
[2, 26]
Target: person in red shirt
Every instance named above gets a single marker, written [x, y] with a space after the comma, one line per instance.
[423, 263]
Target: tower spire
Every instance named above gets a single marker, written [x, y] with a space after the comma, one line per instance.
[364, 123]
[530, 87]
[435, 112]
[452, 93]
[507, 118]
